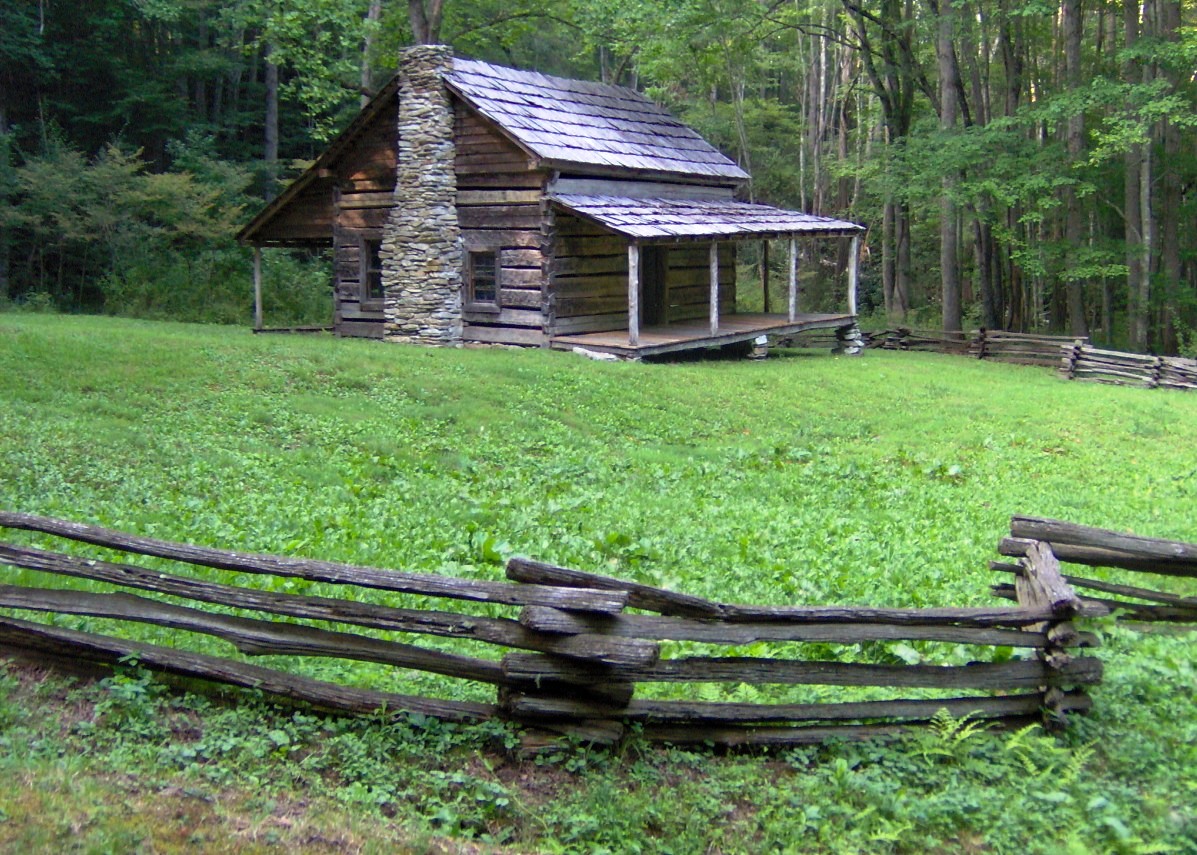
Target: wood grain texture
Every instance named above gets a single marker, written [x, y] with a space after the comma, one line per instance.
[1042, 573]
[500, 631]
[250, 636]
[323, 571]
[1147, 548]
[1015, 674]
[1123, 609]
[523, 705]
[329, 696]
[639, 596]
[550, 620]
[1095, 556]
[672, 603]
[1131, 591]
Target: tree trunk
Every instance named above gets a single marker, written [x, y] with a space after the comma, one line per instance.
[888, 262]
[201, 82]
[367, 77]
[1075, 134]
[270, 136]
[425, 19]
[1011, 50]
[1138, 286]
[949, 259]
[6, 144]
[991, 313]
[894, 83]
[1147, 240]
[1170, 191]
[902, 272]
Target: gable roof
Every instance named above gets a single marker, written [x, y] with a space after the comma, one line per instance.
[576, 123]
[671, 219]
[314, 184]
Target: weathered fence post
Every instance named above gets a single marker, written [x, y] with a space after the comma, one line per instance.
[1040, 585]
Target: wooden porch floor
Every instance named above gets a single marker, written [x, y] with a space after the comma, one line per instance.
[690, 335]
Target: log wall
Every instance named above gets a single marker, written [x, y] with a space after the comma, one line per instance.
[688, 280]
[589, 279]
[500, 205]
[557, 273]
[363, 196]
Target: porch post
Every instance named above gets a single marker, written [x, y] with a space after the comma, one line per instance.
[765, 275]
[257, 287]
[793, 279]
[714, 286]
[853, 272]
[633, 294]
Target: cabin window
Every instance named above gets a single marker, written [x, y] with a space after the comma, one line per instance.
[371, 272]
[482, 281]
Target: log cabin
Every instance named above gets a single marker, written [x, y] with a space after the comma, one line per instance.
[470, 202]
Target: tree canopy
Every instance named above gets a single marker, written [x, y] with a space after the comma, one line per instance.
[1021, 164]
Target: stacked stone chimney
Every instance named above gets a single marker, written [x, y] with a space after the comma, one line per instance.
[421, 249]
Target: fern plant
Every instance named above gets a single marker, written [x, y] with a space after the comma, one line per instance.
[948, 737]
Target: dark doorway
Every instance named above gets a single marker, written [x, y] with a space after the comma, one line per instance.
[653, 264]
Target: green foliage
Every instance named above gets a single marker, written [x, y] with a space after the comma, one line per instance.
[155, 245]
[795, 92]
[318, 41]
[886, 480]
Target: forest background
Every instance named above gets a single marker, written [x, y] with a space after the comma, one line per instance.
[1021, 164]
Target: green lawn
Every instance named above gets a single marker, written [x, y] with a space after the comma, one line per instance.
[886, 479]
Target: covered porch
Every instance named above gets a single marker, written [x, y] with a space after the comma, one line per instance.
[689, 335]
[649, 224]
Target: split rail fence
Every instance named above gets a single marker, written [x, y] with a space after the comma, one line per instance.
[996, 345]
[1080, 361]
[576, 657]
[1097, 547]
[1076, 358]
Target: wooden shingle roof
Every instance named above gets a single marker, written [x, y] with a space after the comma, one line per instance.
[673, 219]
[575, 123]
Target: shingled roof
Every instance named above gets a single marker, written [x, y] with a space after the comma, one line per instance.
[576, 123]
[671, 219]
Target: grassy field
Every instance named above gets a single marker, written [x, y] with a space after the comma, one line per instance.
[886, 480]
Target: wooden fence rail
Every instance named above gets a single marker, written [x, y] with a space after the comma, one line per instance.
[571, 659]
[1097, 547]
[1019, 348]
[1083, 362]
[996, 345]
[1075, 357]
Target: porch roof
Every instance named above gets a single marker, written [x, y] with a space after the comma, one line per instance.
[698, 219]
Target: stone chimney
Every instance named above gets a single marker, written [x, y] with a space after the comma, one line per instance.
[421, 249]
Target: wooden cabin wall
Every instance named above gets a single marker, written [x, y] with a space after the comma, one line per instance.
[307, 218]
[500, 206]
[590, 279]
[589, 272]
[688, 280]
[364, 195]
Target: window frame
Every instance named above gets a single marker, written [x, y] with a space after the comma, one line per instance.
[369, 248]
[470, 301]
